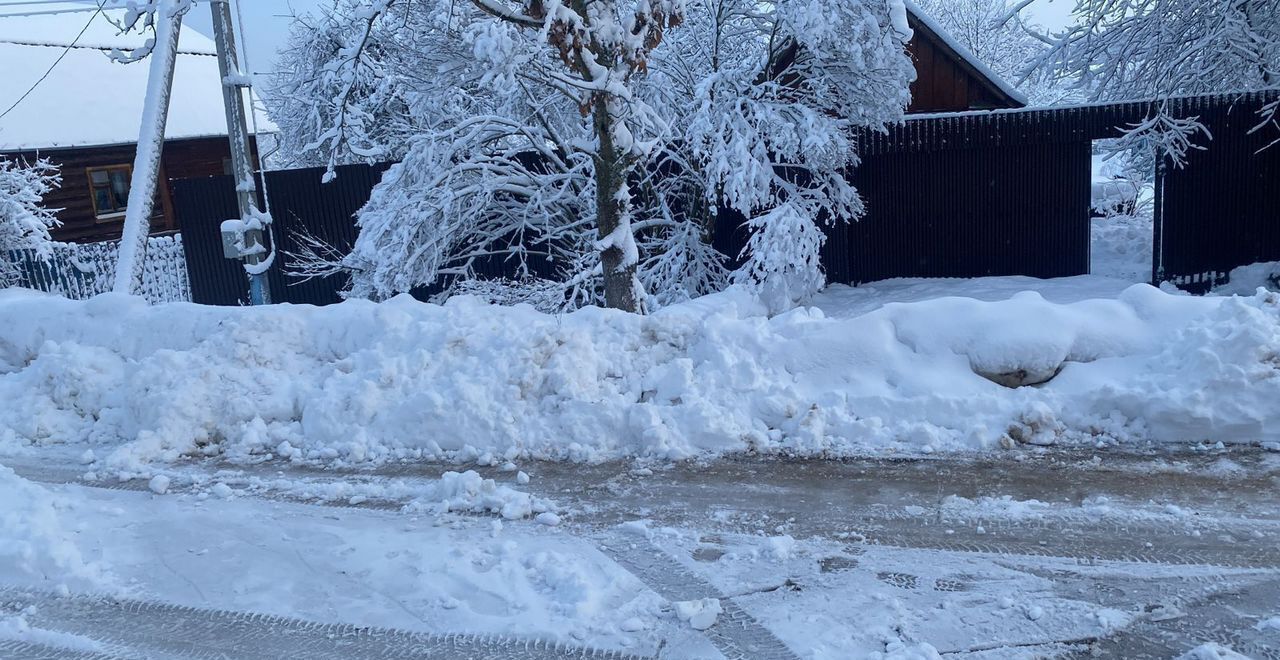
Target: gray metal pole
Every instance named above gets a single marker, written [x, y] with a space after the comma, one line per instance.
[241, 159]
[1157, 222]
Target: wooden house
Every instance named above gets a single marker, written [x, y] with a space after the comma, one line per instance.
[948, 77]
[71, 104]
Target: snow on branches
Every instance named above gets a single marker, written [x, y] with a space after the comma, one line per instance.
[1141, 49]
[24, 221]
[590, 143]
[145, 16]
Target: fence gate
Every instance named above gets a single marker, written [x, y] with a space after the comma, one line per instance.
[1223, 209]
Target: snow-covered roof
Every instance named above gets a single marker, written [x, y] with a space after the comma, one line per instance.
[87, 99]
[979, 68]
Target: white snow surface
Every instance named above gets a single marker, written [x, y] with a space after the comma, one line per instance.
[87, 99]
[1212, 651]
[1121, 247]
[467, 381]
[1247, 279]
[37, 542]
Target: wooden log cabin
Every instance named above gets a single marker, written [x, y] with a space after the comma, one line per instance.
[84, 115]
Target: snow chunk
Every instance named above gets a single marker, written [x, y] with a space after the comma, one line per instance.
[1212, 651]
[159, 484]
[701, 614]
[468, 491]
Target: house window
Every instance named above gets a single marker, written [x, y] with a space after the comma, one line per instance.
[110, 186]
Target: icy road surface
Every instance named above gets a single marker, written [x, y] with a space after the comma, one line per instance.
[1048, 556]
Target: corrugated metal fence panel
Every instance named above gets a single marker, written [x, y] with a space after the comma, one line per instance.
[299, 202]
[1223, 209]
[1018, 209]
[200, 206]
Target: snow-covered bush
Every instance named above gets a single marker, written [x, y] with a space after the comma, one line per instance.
[24, 221]
[593, 136]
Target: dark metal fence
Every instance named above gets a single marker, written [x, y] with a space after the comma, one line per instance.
[299, 202]
[1223, 209]
[996, 210]
[956, 195]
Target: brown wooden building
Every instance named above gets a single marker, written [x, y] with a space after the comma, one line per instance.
[95, 184]
[949, 78]
[81, 111]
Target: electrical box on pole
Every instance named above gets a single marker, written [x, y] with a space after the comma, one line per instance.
[247, 233]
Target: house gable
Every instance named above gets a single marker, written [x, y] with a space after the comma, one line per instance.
[948, 77]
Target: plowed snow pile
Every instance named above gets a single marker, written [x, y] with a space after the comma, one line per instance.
[38, 539]
[464, 381]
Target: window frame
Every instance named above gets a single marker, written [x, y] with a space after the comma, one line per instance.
[109, 216]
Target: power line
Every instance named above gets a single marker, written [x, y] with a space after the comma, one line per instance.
[60, 10]
[55, 62]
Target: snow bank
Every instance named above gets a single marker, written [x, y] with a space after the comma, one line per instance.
[1245, 280]
[35, 542]
[468, 381]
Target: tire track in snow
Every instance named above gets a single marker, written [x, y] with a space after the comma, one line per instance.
[144, 629]
[15, 649]
[737, 634]
[1227, 616]
[1067, 538]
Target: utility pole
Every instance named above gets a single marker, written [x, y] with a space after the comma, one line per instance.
[249, 233]
[146, 162]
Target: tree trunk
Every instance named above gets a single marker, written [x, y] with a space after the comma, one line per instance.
[612, 218]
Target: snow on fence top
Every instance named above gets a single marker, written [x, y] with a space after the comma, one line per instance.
[993, 128]
[81, 271]
[87, 99]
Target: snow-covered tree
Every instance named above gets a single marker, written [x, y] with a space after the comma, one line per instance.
[1134, 49]
[600, 137]
[24, 221]
[358, 110]
[1140, 49]
[1008, 46]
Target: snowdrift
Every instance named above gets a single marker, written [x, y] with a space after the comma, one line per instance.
[38, 539]
[467, 381]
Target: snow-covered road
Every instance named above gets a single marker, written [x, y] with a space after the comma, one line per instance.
[1053, 554]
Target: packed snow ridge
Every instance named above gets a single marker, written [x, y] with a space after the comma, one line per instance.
[472, 382]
